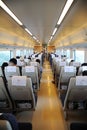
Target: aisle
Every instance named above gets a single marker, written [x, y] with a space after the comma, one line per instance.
[48, 114]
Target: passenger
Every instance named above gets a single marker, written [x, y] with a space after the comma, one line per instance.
[84, 73]
[40, 67]
[71, 62]
[84, 64]
[13, 62]
[37, 60]
[17, 57]
[29, 58]
[22, 62]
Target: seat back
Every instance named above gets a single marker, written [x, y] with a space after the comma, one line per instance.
[66, 73]
[11, 71]
[21, 91]
[31, 71]
[5, 125]
[77, 90]
[5, 101]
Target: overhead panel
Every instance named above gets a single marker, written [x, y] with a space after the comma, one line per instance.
[39, 16]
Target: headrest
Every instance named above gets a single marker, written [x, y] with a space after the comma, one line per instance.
[76, 64]
[11, 68]
[29, 69]
[19, 80]
[26, 60]
[58, 59]
[69, 69]
[81, 80]
[84, 68]
[33, 63]
[62, 63]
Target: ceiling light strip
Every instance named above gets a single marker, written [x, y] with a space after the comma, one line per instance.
[65, 10]
[54, 31]
[10, 12]
[28, 31]
[34, 37]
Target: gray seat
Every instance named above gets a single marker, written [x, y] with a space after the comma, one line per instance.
[76, 93]
[58, 70]
[66, 73]
[32, 71]
[11, 71]
[5, 125]
[81, 69]
[36, 64]
[21, 91]
[5, 101]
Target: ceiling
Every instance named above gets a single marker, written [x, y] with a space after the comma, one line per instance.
[74, 27]
[39, 16]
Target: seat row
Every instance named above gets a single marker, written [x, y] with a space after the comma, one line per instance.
[17, 94]
[72, 86]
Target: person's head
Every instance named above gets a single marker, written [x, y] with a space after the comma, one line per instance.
[4, 65]
[13, 62]
[84, 64]
[29, 58]
[21, 58]
[17, 57]
[72, 61]
[84, 73]
[37, 60]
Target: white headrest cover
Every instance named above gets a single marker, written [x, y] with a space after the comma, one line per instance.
[62, 64]
[77, 64]
[84, 68]
[29, 69]
[33, 63]
[11, 68]
[69, 69]
[19, 80]
[81, 80]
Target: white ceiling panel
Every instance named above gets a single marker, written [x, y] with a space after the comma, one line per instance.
[39, 16]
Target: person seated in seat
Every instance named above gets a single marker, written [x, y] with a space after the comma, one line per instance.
[22, 62]
[84, 64]
[12, 62]
[84, 73]
[71, 62]
[38, 61]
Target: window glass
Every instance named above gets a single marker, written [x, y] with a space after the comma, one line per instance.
[68, 53]
[11, 54]
[18, 52]
[79, 56]
[4, 56]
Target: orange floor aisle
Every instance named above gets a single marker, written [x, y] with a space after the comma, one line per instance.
[48, 114]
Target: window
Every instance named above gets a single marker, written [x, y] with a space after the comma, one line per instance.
[18, 52]
[4, 56]
[11, 54]
[68, 53]
[79, 56]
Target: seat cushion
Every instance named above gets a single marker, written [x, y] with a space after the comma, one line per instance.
[25, 126]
